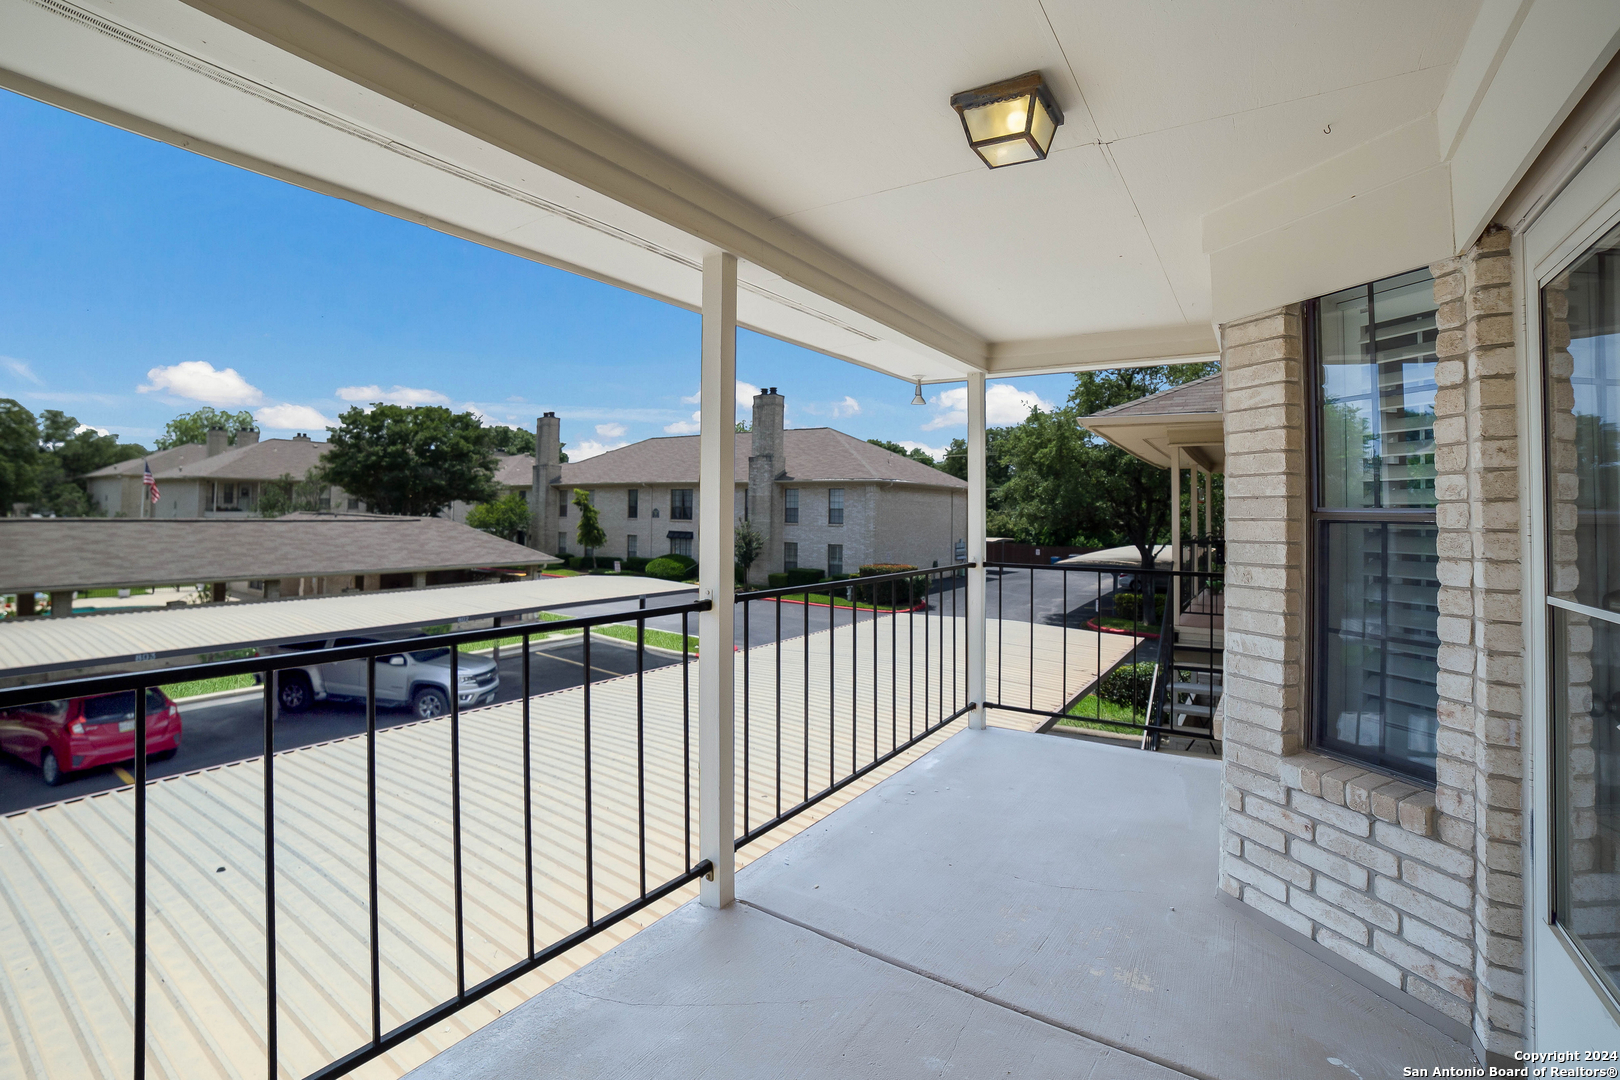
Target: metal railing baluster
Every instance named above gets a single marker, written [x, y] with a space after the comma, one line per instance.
[528, 801]
[455, 816]
[641, 746]
[590, 837]
[747, 743]
[140, 883]
[271, 1045]
[371, 847]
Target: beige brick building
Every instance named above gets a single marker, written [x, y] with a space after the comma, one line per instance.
[820, 498]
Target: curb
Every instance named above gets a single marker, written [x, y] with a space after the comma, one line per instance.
[1092, 625]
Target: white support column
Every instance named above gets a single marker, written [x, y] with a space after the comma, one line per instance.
[716, 527]
[976, 549]
[1175, 536]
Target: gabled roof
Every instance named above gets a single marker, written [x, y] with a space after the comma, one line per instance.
[814, 455]
[187, 454]
[90, 553]
[1199, 396]
[268, 459]
[515, 470]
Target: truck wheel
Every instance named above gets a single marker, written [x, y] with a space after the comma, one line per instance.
[49, 770]
[294, 694]
[430, 702]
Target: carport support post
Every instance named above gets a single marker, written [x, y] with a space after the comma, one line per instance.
[975, 548]
[716, 526]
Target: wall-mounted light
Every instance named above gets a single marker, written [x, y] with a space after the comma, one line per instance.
[1009, 122]
[918, 399]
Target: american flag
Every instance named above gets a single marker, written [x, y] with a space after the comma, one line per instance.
[149, 480]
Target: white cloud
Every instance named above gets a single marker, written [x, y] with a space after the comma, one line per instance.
[610, 431]
[746, 393]
[685, 427]
[590, 448]
[848, 407]
[292, 418]
[198, 381]
[91, 427]
[20, 369]
[935, 452]
[1004, 404]
[397, 395]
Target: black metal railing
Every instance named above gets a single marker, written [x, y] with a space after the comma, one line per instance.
[540, 948]
[885, 669]
[1057, 664]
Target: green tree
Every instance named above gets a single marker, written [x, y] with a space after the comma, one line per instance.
[64, 455]
[747, 544]
[510, 440]
[19, 454]
[506, 517]
[192, 427]
[288, 495]
[411, 460]
[916, 453]
[589, 531]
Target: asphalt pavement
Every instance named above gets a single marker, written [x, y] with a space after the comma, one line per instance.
[221, 730]
[227, 729]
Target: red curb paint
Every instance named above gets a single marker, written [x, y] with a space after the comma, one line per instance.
[1092, 625]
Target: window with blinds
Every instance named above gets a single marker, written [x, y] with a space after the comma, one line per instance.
[1375, 562]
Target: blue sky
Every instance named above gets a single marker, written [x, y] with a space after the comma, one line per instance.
[142, 281]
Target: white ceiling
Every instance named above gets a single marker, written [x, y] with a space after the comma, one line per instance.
[814, 139]
[833, 117]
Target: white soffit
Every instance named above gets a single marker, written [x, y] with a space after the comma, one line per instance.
[815, 141]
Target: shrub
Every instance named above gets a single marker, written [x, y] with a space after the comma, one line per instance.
[804, 575]
[1127, 685]
[1127, 605]
[671, 568]
[890, 593]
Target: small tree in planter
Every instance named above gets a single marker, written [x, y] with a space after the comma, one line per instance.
[589, 533]
[747, 546]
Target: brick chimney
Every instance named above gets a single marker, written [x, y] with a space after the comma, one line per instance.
[767, 463]
[218, 441]
[547, 471]
[247, 437]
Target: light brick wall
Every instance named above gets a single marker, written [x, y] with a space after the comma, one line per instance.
[1422, 889]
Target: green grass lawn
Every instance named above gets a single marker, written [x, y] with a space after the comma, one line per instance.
[1087, 708]
[662, 639]
[179, 690]
[843, 602]
[93, 593]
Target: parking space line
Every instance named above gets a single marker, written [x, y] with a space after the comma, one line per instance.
[123, 774]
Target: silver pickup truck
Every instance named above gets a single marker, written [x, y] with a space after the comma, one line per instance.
[419, 678]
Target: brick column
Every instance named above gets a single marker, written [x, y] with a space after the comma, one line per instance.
[1480, 760]
[1262, 363]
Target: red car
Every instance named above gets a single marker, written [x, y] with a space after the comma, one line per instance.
[64, 736]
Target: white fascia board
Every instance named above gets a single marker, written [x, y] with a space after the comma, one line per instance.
[399, 56]
[1389, 230]
[1488, 39]
[1142, 347]
[1555, 55]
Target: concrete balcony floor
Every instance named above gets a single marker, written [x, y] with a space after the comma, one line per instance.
[1010, 904]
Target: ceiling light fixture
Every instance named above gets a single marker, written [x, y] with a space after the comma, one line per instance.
[918, 399]
[1009, 122]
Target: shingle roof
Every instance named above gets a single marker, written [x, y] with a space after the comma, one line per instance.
[268, 459]
[86, 553]
[1199, 396]
[158, 459]
[813, 455]
[516, 470]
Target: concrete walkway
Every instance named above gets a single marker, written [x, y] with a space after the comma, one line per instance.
[1008, 905]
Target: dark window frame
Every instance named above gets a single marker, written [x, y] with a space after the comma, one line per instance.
[790, 506]
[680, 509]
[633, 504]
[835, 514]
[1317, 518]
